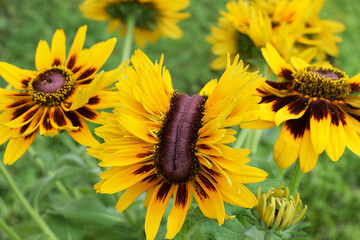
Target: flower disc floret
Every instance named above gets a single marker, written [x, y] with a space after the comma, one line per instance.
[51, 86]
[322, 82]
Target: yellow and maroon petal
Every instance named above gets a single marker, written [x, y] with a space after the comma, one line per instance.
[287, 145]
[156, 209]
[83, 135]
[16, 77]
[45, 127]
[178, 213]
[58, 48]
[320, 119]
[277, 63]
[208, 198]
[43, 56]
[20, 116]
[291, 107]
[76, 48]
[17, 147]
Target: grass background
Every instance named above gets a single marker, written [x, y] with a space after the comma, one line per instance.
[57, 175]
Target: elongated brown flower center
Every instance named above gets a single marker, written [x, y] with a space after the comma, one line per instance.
[322, 82]
[145, 13]
[176, 160]
[52, 86]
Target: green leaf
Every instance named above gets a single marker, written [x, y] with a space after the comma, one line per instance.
[89, 210]
[231, 229]
[64, 229]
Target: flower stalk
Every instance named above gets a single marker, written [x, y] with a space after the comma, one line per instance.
[129, 37]
[34, 214]
[295, 178]
[8, 230]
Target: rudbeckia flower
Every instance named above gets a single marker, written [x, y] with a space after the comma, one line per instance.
[153, 18]
[292, 27]
[167, 144]
[60, 95]
[317, 105]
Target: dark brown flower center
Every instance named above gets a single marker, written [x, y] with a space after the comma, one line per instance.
[145, 13]
[322, 82]
[52, 86]
[176, 159]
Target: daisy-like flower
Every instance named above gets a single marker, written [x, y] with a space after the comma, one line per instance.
[292, 27]
[317, 109]
[153, 18]
[165, 143]
[60, 95]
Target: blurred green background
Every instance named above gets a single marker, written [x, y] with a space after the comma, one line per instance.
[57, 176]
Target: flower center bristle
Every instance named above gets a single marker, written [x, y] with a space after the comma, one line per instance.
[145, 13]
[175, 155]
[51, 86]
[322, 82]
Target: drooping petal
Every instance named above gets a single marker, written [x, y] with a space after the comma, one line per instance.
[319, 125]
[156, 209]
[178, 213]
[307, 155]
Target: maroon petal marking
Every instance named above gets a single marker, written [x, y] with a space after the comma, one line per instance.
[319, 109]
[56, 62]
[163, 191]
[208, 184]
[71, 62]
[200, 191]
[286, 74]
[298, 105]
[279, 85]
[87, 113]
[59, 117]
[20, 111]
[73, 118]
[18, 103]
[268, 99]
[94, 100]
[87, 73]
[25, 82]
[46, 122]
[337, 115]
[282, 102]
[297, 127]
[182, 195]
[355, 87]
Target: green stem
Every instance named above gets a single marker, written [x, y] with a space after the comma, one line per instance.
[8, 230]
[34, 214]
[241, 138]
[295, 178]
[129, 37]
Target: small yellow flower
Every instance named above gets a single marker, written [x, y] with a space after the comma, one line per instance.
[277, 207]
[59, 95]
[153, 18]
[292, 27]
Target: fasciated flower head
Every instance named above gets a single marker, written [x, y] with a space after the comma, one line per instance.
[278, 210]
[317, 106]
[60, 95]
[153, 18]
[167, 144]
[292, 27]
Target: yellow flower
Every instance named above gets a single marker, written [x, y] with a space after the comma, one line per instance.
[292, 27]
[317, 109]
[154, 18]
[60, 95]
[165, 143]
[277, 207]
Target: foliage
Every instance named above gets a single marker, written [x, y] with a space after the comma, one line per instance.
[57, 176]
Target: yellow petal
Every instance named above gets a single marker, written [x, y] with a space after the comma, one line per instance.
[58, 47]
[307, 156]
[17, 147]
[337, 142]
[319, 126]
[286, 148]
[43, 56]
[14, 75]
[156, 209]
[178, 213]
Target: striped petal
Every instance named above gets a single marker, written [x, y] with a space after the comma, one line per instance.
[319, 125]
[178, 213]
[156, 209]
[16, 76]
[58, 48]
[208, 198]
